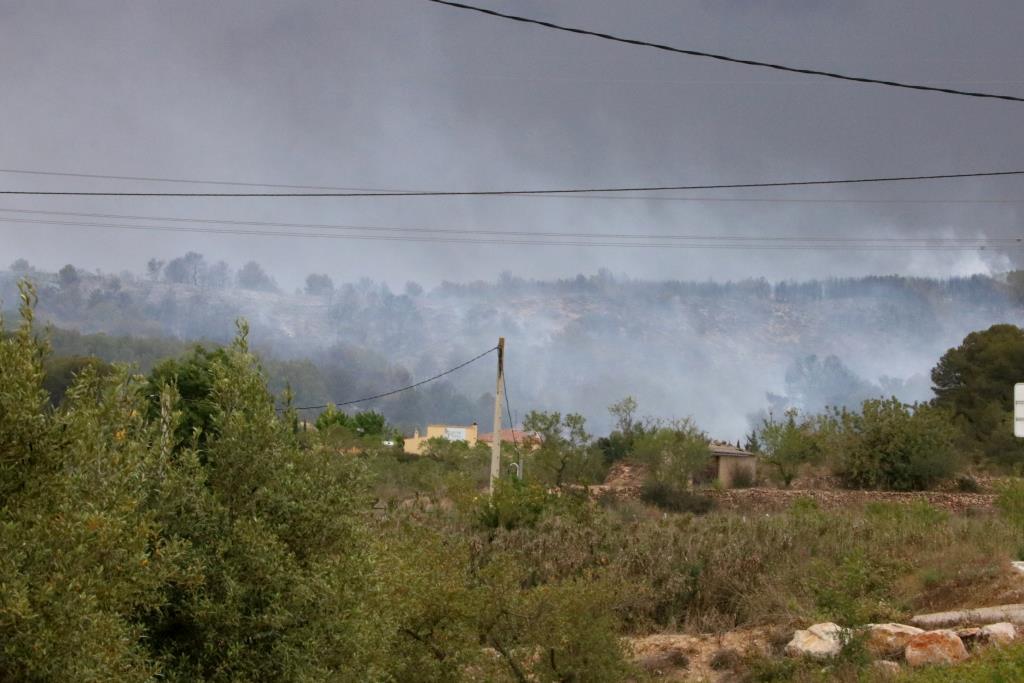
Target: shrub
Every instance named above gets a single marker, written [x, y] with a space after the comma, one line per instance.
[742, 478]
[895, 446]
[514, 504]
[787, 446]
[967, 484]
[674, 454]
[672, 499]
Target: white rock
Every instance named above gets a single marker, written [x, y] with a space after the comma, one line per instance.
[1002, 633]
[884, 640]
[935, 647]
[819, 641]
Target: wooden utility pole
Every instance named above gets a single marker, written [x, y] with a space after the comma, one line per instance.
[498, 393]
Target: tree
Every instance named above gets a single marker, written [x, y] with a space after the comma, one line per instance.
[786, 446]
[974, 382]
[564, 455]
[332, 417]
[153, 268]
[892, 445]
[189, 269]
[21, 266]
[319, 285]
[674, 453]
[62, 371]
[68, 276]
[193, 379]
[252, 276]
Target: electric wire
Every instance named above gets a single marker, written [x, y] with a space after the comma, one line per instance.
[400, 390]
[496, 193]
[725, 58]
[502, 233]
[508, 408]
[708, 242]
[808, 200]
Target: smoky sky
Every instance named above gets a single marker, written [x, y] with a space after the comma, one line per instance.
[409, 94]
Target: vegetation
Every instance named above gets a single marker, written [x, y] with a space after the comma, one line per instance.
[787, 446]
[974, 382]
[895, 446]
[181, 526]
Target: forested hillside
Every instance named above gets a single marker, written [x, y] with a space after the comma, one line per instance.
[719, 351]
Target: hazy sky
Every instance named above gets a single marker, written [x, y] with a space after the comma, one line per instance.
[409, 94]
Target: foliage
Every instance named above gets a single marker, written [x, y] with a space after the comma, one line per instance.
[133, 555]
[787, 446]
[193, 379]
[319, 285]
[668, 497]
[674, 454]
[515, 504]
[974, 382]
[62, 370]
[252, 276]
[565, 455]
[895, 446]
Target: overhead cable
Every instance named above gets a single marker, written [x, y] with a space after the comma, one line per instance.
[706, 242]
[647, 198]
[726, 58]
[491, 231]
[400, 390]
[491, 193]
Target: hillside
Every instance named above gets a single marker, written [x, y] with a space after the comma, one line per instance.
[718, 351]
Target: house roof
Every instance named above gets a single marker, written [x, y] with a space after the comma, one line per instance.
[726, 448]
[510, 435]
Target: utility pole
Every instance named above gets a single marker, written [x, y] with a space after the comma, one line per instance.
[496, 441]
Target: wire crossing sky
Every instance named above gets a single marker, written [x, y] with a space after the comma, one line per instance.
[485, 193]
[401, 389]
[725, 58]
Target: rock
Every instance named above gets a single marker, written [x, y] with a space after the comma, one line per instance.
[998, 634]
[935, 647]
[969, 635]
[820, 641]
[981, 615]
[885, 640]
[885, 668]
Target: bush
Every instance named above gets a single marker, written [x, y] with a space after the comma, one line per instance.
[895, 446]
[514, 504]
[672, 499]
[967, 484]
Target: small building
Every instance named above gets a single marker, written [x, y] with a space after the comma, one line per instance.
[414, 444]
[732, 465]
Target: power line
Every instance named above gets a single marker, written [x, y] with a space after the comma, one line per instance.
[494, 232]
[508, 408]
[494, 193]
[398, 391]
[403, 192]
[191, 181]
[709, 242]
[725, 58]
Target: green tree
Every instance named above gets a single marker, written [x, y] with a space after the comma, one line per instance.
[974, 382]
[892, 445]
[332, 417]
[193, 379]
[674, 453]
[787, 446]
[564, 455]
[61, 372]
